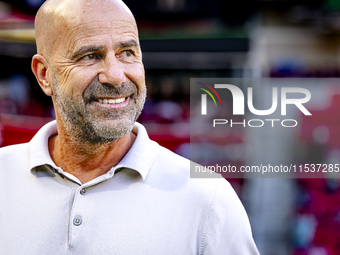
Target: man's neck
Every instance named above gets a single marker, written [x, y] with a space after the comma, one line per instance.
[85, 161]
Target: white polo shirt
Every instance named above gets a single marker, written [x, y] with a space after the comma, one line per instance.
[146, 205]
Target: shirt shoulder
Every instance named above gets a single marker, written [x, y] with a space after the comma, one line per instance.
[13, 154]
[172, 159]
[14, 163]
[173, 171]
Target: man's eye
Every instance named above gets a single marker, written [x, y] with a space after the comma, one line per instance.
[90, 56]
[128, 53]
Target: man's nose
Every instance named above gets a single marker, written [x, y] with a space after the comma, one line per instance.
[111, 71]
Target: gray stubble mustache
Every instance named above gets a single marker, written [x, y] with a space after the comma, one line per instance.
[102, 90]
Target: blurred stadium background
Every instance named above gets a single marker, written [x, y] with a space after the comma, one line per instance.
[216, 38]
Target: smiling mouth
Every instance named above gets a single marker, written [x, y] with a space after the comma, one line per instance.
[111, 100]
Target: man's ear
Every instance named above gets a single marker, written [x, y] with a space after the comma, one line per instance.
[40, 69]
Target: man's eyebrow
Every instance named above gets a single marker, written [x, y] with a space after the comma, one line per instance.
[130, 43]
[85, 49]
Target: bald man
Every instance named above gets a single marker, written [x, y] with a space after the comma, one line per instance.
[92, 182]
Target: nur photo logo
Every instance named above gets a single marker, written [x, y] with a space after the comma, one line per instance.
[238, 103]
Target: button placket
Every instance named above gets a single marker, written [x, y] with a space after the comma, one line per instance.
[76, 219]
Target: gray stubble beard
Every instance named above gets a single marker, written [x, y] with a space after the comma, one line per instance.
[86, 128]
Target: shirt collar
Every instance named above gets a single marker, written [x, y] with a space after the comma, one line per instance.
[142, 154]
[139, 158]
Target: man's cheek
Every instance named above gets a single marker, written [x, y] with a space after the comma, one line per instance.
[137, 75]
[76, 85]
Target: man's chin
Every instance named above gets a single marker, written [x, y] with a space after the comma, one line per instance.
[113, 129]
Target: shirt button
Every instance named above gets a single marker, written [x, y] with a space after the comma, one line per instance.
[77, 221]
[82, 191]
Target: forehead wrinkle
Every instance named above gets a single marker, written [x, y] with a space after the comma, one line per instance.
[99, 26]
[77, 38]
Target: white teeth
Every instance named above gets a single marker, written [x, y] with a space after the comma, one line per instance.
[121, 100]
[111, 101]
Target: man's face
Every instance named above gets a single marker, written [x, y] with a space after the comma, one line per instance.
[98, 76]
